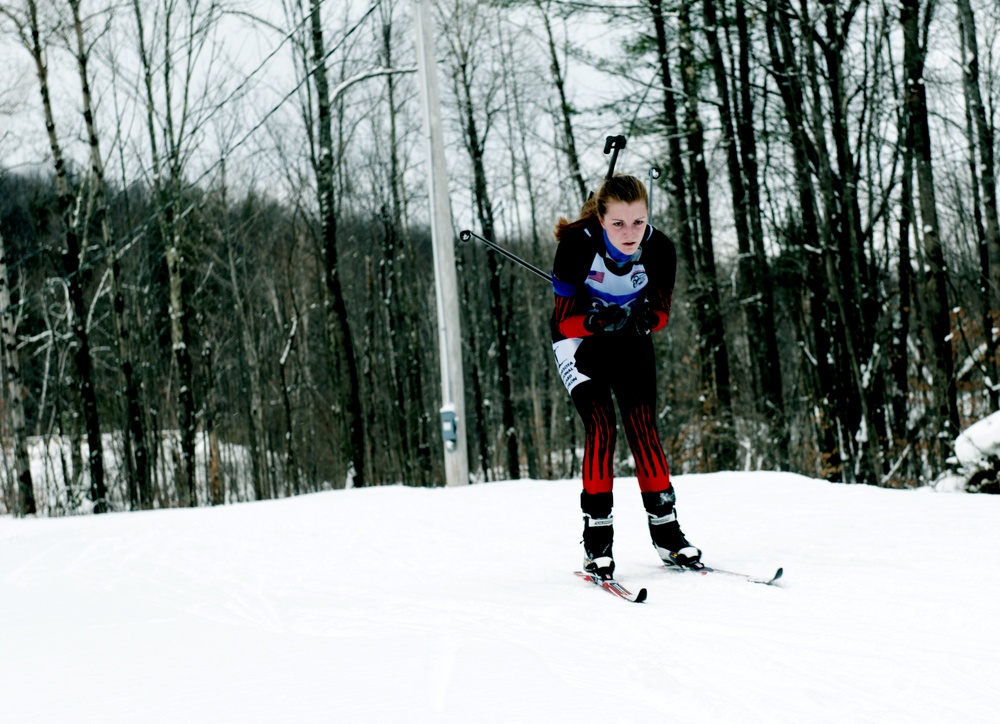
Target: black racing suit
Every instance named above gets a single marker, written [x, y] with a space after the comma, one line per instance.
[589, 272]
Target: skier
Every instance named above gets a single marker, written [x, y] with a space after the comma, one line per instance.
[613, 278]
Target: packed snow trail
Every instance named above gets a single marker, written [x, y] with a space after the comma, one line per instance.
[455, 605]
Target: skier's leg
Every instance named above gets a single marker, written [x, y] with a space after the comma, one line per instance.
[636, 395]
[583, 367]
[593, 402]
[598, 533]
[635, 391]
[668, 539]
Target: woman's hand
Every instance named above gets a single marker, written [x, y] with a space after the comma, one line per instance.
[608, 318]
[644, 318]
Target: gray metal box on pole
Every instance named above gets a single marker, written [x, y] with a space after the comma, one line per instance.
[456, 457]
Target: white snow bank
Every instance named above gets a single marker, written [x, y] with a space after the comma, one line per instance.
[977, 458]
[980, 440]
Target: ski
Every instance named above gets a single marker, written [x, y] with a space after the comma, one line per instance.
[614, 587]
[705, 570]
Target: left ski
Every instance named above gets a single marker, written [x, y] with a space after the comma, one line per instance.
[614, 587]
[701, 568]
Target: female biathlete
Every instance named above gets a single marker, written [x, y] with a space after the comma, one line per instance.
[613, 278]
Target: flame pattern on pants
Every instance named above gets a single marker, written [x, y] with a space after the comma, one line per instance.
[622, 365]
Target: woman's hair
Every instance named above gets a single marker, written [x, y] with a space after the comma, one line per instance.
[627, 189]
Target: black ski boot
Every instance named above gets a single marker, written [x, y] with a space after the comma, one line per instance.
[668, 540]
[598, 533]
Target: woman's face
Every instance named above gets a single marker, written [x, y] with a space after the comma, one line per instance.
[625, 225]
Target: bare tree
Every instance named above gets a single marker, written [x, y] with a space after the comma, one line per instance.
[985, 192]
[566, 110]
[176, 70]
[900, 353]
[339, 330]
[136, 452]
[756, 292]
[518, 88]
[814, 332]
[11, 359]
[30, 32]
[250, 365]
[935, 296]
[478, 93]
[721, 452]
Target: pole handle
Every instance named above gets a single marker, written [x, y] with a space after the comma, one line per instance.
[654, 173]
[612, 145]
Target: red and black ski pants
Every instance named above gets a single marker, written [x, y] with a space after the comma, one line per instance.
[624, 365]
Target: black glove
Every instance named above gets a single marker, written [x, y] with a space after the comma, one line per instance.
[644, 318]
[606, 319]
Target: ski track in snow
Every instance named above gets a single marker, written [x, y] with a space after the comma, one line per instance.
[459, 605]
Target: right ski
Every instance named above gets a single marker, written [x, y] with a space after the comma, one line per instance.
[705, 570]
[614, 587]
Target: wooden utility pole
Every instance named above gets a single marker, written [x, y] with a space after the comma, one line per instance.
[456, 458]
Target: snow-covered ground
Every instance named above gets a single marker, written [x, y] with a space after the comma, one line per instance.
[459, 605]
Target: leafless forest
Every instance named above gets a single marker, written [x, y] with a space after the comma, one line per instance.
[216, 281]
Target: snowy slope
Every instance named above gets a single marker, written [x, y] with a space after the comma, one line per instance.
[459, 605]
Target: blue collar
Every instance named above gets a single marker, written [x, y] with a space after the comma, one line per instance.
[619, 257]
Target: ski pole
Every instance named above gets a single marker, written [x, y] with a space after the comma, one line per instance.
[654, 173]
[466, 235]
[612, 145]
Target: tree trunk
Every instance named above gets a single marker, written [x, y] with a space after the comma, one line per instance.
[756, 292]
[168, 192]
[499, 306]
[900, 355]
[474, 323]
[71, 257]
[565, 110]
[537, 363]
[822, 375]
[291, 466]
[678, 189]
[134, 434]
[935, 298]
[252, 398]
[11, 360]
[989, 237]
[180, 339]
[339, 331]
[723, 437]
[216, 486]
[847, 269]
[398, 301]
[774, 394]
